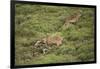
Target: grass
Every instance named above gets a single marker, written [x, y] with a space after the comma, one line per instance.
[33, 22]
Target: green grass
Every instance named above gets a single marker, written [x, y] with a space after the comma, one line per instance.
[33, 22]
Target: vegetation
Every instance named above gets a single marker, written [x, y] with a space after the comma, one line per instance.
[33, 22]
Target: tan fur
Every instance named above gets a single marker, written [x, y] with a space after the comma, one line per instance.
[57, 39]
[72, 19]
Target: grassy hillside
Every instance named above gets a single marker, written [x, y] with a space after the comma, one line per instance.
[33, 22]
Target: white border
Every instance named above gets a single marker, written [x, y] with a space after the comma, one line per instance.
[5, 34]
